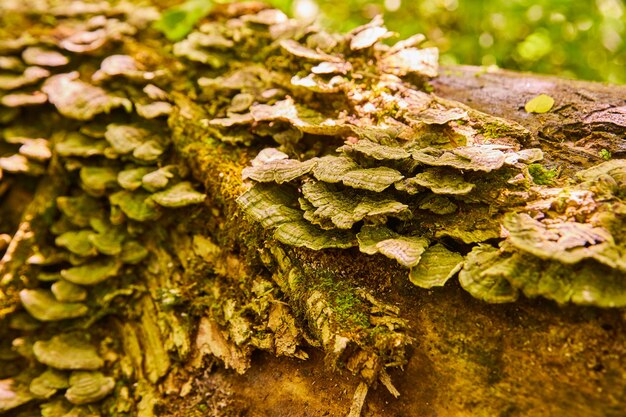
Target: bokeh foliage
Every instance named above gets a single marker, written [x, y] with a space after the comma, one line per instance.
[578, 39]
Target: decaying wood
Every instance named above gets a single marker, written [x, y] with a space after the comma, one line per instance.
[587, 117]
[220, 318]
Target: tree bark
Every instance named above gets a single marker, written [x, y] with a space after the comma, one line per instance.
[223, 319]
[587, 116]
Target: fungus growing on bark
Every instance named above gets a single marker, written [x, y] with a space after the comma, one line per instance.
[78, 100]
[14, 394]
[42, 305]
[88, 387]
[68, 292]
[179, 195]
[436, 266]
[391, 170]
[92, 273]
[414, 144]
[68, 351]
[48, 383]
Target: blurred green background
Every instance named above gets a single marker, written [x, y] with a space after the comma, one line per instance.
[570, 38]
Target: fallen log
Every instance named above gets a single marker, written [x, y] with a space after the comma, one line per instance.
[267, 219]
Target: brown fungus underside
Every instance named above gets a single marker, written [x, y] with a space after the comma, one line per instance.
[343, 148]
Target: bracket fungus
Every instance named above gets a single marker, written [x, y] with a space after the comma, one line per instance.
[132, 178]
[31, 75]
[48, 383]
[97, 180]
[477, 282]
[15, 100]
[158, 179]
[35, 55]
[443, 182]
[179, 195]
[77, 242]
[414, 163]
[77, 144]
[111, 168]
[345, 208]
[68, 351]
[68, 292]
[42, 305]
[88, 387]
[79, 100]
[136, 205]
[13, 394]
[92, 273]
[407, 250]
[436, 266]
[350, 153]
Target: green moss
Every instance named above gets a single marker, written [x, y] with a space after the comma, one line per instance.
[348, 307]
[542, 175]
[605, 154]
[493, 130]
[350, 310]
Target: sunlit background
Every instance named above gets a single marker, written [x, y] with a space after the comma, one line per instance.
[571, 38]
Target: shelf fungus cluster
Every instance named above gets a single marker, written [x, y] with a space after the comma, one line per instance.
[101, 123]
[353, 153]
[254, 70]
[73, 366]
[567, 245]
[402, 173]
[24, 151]
[102, 136]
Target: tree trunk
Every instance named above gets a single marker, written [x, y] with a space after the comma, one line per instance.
[144, 275]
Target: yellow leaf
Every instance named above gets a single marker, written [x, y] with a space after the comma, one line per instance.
[541, 104]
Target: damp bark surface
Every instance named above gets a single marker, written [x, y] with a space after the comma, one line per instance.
[586, 116]
[194, 306]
